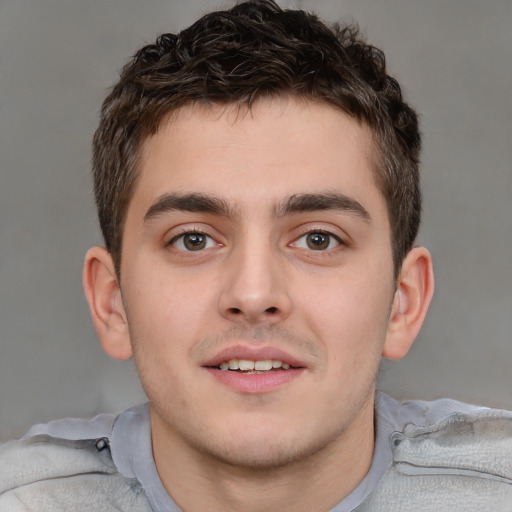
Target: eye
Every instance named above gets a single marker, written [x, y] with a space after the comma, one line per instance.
[317, 241]
[192, 241]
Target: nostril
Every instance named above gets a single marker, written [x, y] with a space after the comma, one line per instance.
[271, 310]
[235, 311]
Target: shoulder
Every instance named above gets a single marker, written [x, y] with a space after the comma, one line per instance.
[461, 462]
[45, 472]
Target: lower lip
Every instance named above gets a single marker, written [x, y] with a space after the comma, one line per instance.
[255, 383]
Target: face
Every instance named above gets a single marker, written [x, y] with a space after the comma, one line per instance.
[258, 241]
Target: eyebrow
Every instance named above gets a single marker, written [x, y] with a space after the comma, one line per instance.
[297, 203]
[192, 202]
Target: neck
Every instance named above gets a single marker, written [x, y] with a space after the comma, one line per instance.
[197, 481]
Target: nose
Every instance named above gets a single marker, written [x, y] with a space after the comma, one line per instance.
[254, 287]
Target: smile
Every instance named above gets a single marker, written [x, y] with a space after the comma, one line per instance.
[254, 371]
[245, 365]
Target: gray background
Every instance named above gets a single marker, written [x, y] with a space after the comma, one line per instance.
[57, 61]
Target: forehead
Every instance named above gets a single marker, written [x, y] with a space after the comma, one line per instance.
[254, 157]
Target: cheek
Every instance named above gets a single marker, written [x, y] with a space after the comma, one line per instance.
[165, 315]
[349, 315]
[163, 325]
[162, 297]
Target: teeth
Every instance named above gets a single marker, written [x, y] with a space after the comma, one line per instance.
[263, 365]
[246, 365]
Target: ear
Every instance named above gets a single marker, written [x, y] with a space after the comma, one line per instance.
[413, 294]
[106, 304]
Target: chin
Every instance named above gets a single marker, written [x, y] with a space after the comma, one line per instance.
[262, 450]
[255, 457]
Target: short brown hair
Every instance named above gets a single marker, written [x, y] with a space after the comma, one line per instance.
[251, 51]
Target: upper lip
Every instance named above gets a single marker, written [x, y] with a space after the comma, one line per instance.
[253, 354]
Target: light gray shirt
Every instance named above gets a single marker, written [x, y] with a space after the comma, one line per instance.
[129, 438]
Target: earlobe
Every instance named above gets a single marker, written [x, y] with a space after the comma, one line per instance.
[103, 294]
[413, 294]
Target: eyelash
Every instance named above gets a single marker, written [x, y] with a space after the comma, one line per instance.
[332, 236]
[339, 241]
[185, 233]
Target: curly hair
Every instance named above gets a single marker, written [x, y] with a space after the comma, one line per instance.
[251, 51]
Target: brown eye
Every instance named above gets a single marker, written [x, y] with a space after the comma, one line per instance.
[318, 241]
[192, 241]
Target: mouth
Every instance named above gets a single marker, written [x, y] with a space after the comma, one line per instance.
[254, 371]
[253, 367]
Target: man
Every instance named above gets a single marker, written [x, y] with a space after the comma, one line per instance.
[256, 178]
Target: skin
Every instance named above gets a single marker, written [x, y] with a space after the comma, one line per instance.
[257, 284]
